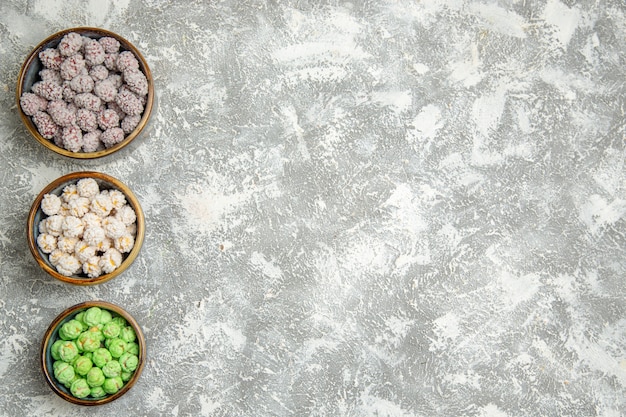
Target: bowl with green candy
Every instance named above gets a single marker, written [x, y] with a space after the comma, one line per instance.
[93, 353]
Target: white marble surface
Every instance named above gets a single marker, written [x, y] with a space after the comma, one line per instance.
[370, 208]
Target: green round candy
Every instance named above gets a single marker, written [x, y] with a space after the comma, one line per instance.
[57, 364]
[97, 392]
[64, 372]
[88, 355]
[80, 388]
[112, 369]
[128, 362]
[111, 330]
[79, 317]
[92, 316]
[54, 350]
[95, 377]
[121, 321]
[105, 316]
[69, 383]
[112, 385]
[68, 351]
[127, 334]
[100, 357]
[133, 348]
[88, 341]
[82, 323]
[96, 331]
[70, 330]
[82, 365]
[126, 376]
[116, 346]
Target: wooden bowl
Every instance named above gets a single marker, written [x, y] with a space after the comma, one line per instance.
[56, 187]
[52, 335]
[29, 75]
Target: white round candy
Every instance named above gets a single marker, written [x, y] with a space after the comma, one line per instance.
[69, 193]
[83, 251]
[46, 242]
[94, 235]
[126, 215]
[55, 256]
[118, 199]
[79, 206]
[68, 265]
[87, 187]
[101, 205]
[91, 267]
[110, 260]
[67, 243]
[54, 225]
[124, 243]
[73, 226]
[92, 220]
[113, 227]
[50, 204]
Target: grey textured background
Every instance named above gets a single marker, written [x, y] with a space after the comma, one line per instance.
[369, 208]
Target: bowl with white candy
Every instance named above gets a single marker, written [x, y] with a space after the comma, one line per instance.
[85, 228]
[85, 93]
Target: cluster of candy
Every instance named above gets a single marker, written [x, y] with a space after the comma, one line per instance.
[95, 354]
[87, 229]
[91, 95]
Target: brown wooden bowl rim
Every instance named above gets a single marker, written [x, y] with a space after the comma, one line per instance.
[75, 309]
[34, 54]
[75, 176]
